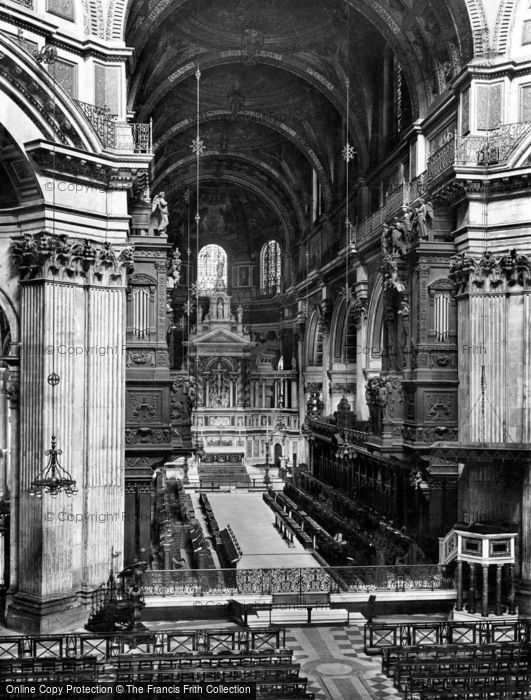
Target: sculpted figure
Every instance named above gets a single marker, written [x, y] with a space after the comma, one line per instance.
[159, 214]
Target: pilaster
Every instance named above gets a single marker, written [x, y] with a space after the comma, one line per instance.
[72, 324]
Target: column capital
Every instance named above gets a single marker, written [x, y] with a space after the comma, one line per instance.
[57, 258]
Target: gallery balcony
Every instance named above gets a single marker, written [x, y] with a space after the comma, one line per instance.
[115, 135]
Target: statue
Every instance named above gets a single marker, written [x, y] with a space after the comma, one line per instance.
[159, 214]
[239, 311]
[398, 237]
[423, 219]
[385, 241]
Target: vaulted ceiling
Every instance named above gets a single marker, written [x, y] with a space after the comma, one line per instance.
[275, 79]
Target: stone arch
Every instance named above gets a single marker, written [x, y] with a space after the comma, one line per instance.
[314, 339]
[255, 162]
[8, 309]
[342, 322]
[375, 325]
[256, 117]
[283, 62]
[504, 20]
[480, 27]
[278, 207]
[116, 18]
[34, 108]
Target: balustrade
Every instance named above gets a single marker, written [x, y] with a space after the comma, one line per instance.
[494, 147]
[113, 134]
[441, 160]
[194, 582]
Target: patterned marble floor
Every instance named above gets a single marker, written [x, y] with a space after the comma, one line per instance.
[333, 660]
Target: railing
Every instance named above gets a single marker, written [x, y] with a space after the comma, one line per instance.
[169, 641]
[395, 200]
[102, 121]
[358, 433]
[370, 224]
[494, 147]
[441, 160]
[447, 548]
[120, 136]
[226, 486]
[417, 186]
[391, 634]
[230, 582]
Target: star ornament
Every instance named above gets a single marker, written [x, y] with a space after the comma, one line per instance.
[348, 152]
[198, 146]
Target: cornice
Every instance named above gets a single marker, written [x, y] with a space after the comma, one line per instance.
[51, 32]
[116, 170]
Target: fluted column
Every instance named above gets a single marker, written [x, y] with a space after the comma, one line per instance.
[72, 324]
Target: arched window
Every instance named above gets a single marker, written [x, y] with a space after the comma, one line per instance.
[314, 352]
[211, 266]
[345, 348]
[270, 267]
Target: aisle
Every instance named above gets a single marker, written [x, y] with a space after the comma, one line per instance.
[252, 521]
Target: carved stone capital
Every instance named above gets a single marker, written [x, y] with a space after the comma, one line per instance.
[51, 257]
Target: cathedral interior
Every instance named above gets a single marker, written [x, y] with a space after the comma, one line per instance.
[265, 289]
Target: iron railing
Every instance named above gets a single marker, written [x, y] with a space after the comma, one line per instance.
[171, 641]
[230, 582]
[417, 186]
[101, 120]
[117, 135]
[397, 634]
[396, 199]
[441, 160]
[494, 147]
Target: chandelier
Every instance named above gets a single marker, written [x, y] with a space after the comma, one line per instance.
[54, 478]
[346, 451]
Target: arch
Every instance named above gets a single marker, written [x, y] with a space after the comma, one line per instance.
[231, 155]
[375, 323]
[30, 96]
[278, 207]
[116, 18]
[480, 27]
[283, 62]
[343, 336]
[8, 308]
[387, 21]
[314, 340]
[503, 24]
[257, 117]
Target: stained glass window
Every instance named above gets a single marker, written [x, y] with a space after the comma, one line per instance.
[270, 267]
[211, 266]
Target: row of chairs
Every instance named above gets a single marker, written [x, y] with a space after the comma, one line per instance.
[459, 671]
[274, 671]
[468, 686]
[282, 657]
[393, 656]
